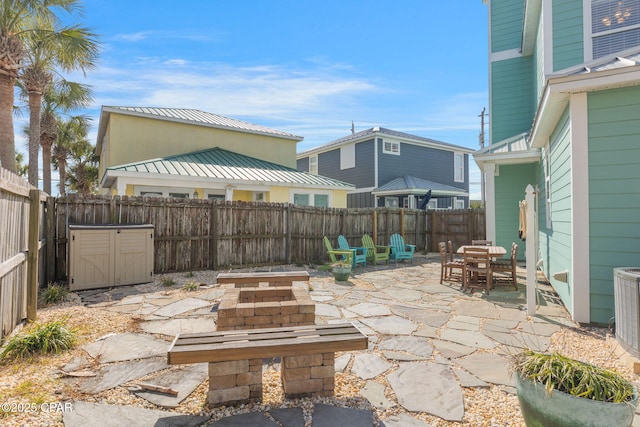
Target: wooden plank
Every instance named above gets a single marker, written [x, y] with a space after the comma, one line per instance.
[257, 335]
[32, 254]
[9, 265]
[271, 277]
[270, 348]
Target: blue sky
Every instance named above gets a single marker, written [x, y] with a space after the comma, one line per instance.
[306, 67]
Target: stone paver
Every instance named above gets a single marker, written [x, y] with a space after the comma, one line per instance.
[172, 327]
[90, 414]
[332, 416]
[127, 346]
[489, 367]
[181, 306]
[374, 392]
[368, 365]
[390, 325]
[183, 379]
[428, 387]
[113, 375]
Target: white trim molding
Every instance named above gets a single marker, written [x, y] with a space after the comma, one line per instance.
[490, 200]
[580, 277]
[504, 55]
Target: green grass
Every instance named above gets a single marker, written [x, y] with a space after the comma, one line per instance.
[53, 294]
[191, 285]
[558, 372]
[51, 337]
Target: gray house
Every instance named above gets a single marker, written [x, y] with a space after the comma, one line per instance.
[394, 169]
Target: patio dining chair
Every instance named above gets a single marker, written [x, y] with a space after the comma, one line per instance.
[447, 264]
[476, 270]
[507, 265]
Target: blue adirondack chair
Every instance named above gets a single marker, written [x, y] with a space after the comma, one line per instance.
[359, 253]
[399, 249]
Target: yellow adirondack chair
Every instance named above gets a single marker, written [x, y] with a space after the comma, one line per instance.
[346, 256]
[375, 252]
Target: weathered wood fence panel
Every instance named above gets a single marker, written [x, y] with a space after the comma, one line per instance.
[21, 243]
[206, 234]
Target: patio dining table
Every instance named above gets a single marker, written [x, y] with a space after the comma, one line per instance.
[494, 251]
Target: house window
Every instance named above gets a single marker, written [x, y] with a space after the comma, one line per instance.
[313, 164]
[390, 202]
[216, 197]
[321, 200]
[258, 196]
[179, 195]
[432, 204]
[301, 199]
[150, 194]
[391, 147]
[615, 26]
[458, 167]
[458, 203]
[348, 156]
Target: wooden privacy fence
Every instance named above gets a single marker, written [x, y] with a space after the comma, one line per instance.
[21, 240]
[206, 234]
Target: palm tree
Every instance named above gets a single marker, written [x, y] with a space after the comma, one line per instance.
[47, 50]
[61, 97]
[69, 132]
[83, 173]
[21, 169]
[19, 19]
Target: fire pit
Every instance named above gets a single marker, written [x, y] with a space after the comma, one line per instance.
[253, 308]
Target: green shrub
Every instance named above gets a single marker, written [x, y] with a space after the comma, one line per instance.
[191, 286]
[51, 337]
[53, 294]
[573, 377]
[168, 282]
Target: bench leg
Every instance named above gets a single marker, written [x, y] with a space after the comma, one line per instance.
[234, 382]
[310, 375]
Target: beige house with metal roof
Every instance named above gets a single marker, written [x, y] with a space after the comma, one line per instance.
[189, 153]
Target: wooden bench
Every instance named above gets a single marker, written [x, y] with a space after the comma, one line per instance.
[235, 358]
[274, 278]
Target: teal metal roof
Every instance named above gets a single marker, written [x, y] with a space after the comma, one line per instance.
[411, 184]
[217, 163]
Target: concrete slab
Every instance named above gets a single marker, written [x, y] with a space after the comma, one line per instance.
[390, 325]
[374, 392]
[368, 365]
[89, 414]
[428, 387]
[489, 367]
[184, 379]
[173, 327]
[127, 346]
[110, 376]
[332, 416]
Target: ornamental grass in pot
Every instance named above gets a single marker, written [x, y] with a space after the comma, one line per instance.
[557, 391]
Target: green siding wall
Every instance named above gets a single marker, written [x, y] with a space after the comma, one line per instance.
[614, 191]
[555, 242]
[506, 24]
[510, 186]
[512, 106]
[538, 65]
[567, 33]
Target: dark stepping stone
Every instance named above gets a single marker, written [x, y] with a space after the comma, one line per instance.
[332, 416]
[289, 417]
[252, 419]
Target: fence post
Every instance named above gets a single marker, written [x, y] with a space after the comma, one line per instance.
[213, 235]
[50, 265]
[434, 223]
[287, 230]
[32, 253]
[374, 219]
[402, 222]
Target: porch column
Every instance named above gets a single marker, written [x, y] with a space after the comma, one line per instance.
[490, 200]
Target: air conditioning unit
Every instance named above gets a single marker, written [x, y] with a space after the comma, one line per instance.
[626, 289]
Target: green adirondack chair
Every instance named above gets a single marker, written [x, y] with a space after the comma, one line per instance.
[400, 250]
[375, 252]
[334, 254]
[359, 252]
